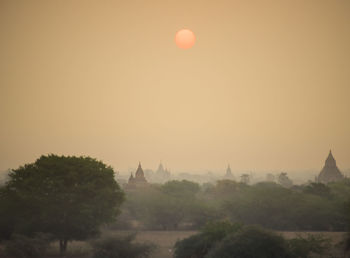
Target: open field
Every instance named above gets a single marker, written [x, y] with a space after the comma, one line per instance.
[165, 241]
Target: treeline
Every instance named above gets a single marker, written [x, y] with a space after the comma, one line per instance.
[187, 205]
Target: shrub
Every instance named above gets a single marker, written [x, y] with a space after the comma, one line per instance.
[120, 247]
[251, 242]
[313, 244]
[20, 246]
[197, 246]
[226, 240]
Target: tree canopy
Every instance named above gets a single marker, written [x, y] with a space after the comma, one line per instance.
[225, 240]
[66, 196]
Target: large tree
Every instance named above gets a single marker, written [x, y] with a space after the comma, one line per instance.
[68, 197]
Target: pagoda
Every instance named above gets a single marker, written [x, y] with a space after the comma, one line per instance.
[330, 171]
[162, 175]
[229, 174]
[138, 180]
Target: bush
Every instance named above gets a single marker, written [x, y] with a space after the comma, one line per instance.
[25, 247]
[226, 240]
[251, 242]
[197, 246]
[120, 247]
[313, 244]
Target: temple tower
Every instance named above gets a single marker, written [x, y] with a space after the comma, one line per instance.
[162, 175]
[229, 174]
[140, 176]
[330, 171]
[138, 180]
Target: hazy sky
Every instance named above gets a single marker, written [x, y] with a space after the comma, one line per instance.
[266, 86]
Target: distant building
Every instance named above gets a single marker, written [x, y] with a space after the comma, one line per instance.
[245, 179]
[229, 174]
[330, 171]
[162, 175]
[138, 180]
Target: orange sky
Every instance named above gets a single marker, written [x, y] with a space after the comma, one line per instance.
[266, 85]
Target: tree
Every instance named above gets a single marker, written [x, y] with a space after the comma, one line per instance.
[270, 177]
[226, 240]
[121, 247]
[6, 218]
[198, 245]
[226, 187]
[245, 179]
[27, 247]
[304, 247]
[181, 189]
[66, 196]
[284, 180]
[318, 189]
[251, 242]
[347, 241]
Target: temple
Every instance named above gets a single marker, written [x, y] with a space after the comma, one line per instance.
[139, 180]
[229, 174]
[162, 175]
[330, 171]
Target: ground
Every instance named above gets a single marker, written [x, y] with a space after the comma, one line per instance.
[165, 241]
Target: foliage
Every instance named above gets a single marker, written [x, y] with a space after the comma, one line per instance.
[257, 204]
[225, 187]
[276, 207]
[302, 247]
[318, 189]
[68, 197]
[284, 180]
[251, 242]
[226, 240]
[347, 240]
[180, 189]
[24, 247]
[182, 204]
[120, 247]
[166, 206]
[197, 246]
[245, 179]
[7, 220]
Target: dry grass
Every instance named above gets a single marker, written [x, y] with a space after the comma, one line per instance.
[164, 240]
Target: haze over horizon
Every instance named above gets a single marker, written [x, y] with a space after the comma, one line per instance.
[265, 87]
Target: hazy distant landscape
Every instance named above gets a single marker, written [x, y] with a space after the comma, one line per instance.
[183, 129]
[80, 207]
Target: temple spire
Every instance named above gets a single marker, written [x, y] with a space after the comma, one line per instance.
[330, 161]
[228, 172]
[330, 171]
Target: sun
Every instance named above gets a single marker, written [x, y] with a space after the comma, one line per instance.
[185, 38]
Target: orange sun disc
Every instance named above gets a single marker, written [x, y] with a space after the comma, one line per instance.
[185, 38]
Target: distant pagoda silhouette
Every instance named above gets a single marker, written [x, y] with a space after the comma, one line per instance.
[162, 175]
[229, 174]
[330, 171]
[139, 180]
